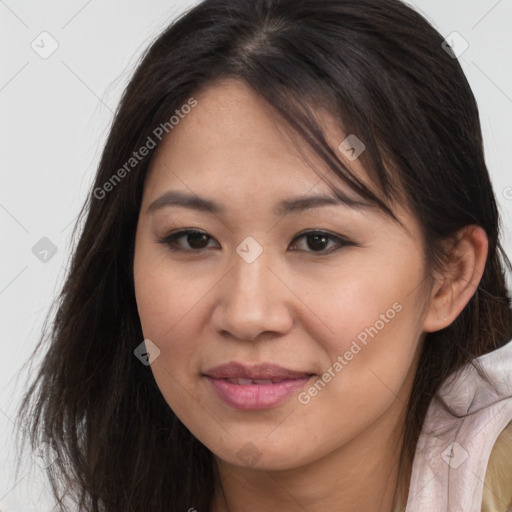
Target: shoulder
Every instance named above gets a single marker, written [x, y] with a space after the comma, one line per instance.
[463, 457]
[497, 496]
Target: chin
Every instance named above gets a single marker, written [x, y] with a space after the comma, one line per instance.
[254, 454]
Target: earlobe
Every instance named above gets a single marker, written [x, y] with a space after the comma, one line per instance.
[454, 289]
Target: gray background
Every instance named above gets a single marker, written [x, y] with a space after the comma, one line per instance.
[55, 113]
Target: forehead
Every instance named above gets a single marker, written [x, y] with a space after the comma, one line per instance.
[233, 136]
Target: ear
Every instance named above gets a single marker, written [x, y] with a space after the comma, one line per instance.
[453, 289]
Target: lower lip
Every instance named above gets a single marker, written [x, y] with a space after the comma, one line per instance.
[256, 396]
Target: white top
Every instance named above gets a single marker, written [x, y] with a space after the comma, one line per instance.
[452, 453]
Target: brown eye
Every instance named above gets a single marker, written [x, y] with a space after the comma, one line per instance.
[195, 240]
[317, 241]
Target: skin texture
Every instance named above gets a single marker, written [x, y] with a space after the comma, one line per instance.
[294, 306]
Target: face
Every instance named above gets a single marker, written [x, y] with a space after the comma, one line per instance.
[332, 294]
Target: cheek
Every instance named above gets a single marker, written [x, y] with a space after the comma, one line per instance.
[164, 310]
[372, 297]
[164, 307]
[375, 317]
[166, 293]
[164, 299]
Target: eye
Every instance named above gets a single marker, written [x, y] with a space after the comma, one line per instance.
[197, 241]
[318, 240]
[194, 238]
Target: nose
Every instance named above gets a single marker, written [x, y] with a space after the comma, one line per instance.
[253, 300]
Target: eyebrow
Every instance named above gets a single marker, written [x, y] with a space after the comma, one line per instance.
[292, 205]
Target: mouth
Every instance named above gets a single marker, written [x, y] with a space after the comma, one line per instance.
[247, 382]
[263, 386]
[260, 372]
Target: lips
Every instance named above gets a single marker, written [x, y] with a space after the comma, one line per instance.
[246, 382]
[261, 386]
[263, 372]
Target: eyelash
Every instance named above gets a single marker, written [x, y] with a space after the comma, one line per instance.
[171, 240]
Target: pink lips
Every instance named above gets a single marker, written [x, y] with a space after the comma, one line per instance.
[232, 382]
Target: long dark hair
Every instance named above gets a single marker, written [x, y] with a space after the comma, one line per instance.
[381, 69]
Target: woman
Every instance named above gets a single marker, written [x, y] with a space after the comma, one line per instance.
[288, 291]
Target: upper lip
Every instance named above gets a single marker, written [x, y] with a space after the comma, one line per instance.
[235, 370]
